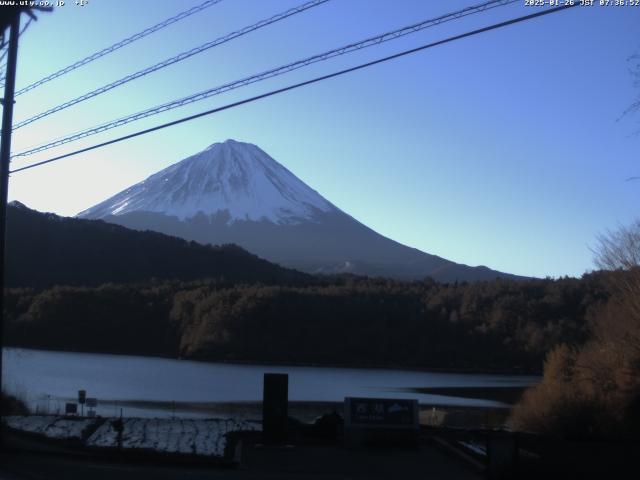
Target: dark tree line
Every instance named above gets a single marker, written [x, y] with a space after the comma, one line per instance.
[492, 326]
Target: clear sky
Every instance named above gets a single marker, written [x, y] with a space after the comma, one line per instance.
[505, 149]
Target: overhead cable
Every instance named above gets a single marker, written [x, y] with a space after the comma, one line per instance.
[120, 44]
[175, 59]
[298, 85]
[371, 41]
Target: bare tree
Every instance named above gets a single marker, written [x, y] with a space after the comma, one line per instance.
[619, 249]
[618, 325]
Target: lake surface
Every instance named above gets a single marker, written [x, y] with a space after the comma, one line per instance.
[149, 386]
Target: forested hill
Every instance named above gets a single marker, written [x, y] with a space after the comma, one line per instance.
[504, 325]
[99, 287]
[44, 249]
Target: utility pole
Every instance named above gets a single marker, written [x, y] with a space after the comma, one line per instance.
[5, 156]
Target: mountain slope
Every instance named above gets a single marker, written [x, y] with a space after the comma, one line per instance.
[233, 177]
[44, 249]
[234, 192]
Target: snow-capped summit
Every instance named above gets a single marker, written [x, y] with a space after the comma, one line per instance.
[234, 178]
[233, 192]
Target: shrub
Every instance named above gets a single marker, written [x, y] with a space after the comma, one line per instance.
[10, 405]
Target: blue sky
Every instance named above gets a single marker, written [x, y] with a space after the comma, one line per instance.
[505, 149]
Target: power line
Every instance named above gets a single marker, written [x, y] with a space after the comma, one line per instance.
[371, 41]
[175, 59]
[23, 29]
[301, 84]
[120, 44]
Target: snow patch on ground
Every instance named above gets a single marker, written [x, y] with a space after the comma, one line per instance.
[32, 424]
[51, 426]
[206, 437]
[475, 447]
[106, 436]
[65, 428]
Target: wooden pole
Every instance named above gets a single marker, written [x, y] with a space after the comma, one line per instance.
[5, 157]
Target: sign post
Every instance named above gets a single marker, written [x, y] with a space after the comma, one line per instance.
[92, 403]
[70, 408]
[82, 397]
[275, 408]
[381, 421]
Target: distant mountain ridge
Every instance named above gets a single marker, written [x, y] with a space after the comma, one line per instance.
[44, 249]
[234, 192]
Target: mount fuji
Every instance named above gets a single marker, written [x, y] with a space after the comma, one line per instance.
[234, 192]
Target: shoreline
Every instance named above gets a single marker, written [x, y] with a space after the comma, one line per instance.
[412, 368]
[506, 395]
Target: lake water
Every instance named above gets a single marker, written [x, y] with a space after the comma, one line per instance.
[149, 386]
